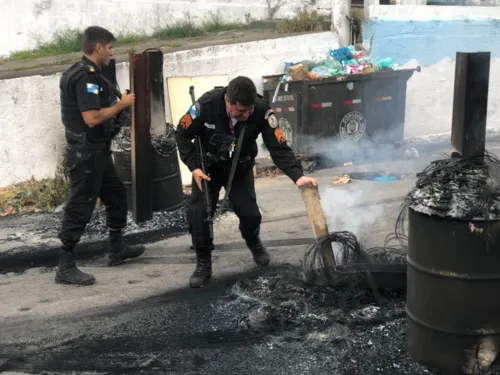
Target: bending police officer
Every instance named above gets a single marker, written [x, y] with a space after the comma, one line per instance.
[218, 115]
[88, 114]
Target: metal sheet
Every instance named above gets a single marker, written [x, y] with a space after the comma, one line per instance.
[142, 208]
[470, 103]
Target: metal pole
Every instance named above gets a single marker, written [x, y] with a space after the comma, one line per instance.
[157, 88]
[470, 104]
[341, 9]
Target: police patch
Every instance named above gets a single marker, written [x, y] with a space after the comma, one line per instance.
[186, 121]
[273, 123]
[193, 111]
[280, 137]
[93, 88]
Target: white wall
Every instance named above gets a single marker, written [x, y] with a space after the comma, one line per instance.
[430, 37]
[31, 135]
[23, 22]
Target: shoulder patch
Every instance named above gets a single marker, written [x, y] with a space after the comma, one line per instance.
[194, 111]
[271, 119]
[280, 137]
[186, 121]
[93, 88]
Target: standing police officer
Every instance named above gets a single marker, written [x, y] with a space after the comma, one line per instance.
[88, 116]
[215, 116]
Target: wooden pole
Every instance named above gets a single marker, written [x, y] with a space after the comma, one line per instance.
[312, 201]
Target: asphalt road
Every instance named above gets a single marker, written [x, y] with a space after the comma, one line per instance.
[203, 332]
[142, 318]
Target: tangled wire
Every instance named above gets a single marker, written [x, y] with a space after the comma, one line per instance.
[339, 259]
[460, 188]
[163, 145]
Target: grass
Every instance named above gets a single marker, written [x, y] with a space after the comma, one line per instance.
[304, 20]
[70, 40]
[35, 195]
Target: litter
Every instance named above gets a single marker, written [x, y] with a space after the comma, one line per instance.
[345, 179]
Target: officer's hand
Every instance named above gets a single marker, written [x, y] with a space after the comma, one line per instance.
[306, 181]
[198, 176]
[128, 99]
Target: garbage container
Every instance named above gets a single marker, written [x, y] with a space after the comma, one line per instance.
[336, 116]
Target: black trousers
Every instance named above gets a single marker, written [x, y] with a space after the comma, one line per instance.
[243, 200]
[90, 179]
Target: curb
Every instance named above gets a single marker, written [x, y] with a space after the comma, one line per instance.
[26, 257]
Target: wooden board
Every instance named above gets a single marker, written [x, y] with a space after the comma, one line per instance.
[312, 201]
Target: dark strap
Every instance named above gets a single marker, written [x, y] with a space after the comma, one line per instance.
[89, 146]
[234, 163]
[111, 85]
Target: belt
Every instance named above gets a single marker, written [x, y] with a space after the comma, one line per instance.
[89, 145]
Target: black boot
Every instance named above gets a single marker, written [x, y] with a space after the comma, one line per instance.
[212, 247]
[68, 273]
[119, 252]
[203, 270]
[259, 252]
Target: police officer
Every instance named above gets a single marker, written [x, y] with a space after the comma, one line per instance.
[87, 112]
[219, 115]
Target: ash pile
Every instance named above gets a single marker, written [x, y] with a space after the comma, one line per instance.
[163, 145]
[322, 312]
[465, 188]
[310, 311]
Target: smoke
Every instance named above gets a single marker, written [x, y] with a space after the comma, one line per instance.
[335, 151]
[342, 210]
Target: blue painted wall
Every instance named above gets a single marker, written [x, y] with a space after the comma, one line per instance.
[431, 41]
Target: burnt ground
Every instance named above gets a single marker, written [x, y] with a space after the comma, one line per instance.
[211, 332]
[263, 324]
[242, 323]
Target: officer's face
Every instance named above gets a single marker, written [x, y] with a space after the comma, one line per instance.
[238, 111]
[105, 53]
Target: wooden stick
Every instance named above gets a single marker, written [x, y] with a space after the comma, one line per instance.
[312, 201]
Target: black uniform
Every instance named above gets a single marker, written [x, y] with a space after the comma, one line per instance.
[208, 116]
[91, 168]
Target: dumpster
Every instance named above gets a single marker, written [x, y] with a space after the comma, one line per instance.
[336, 117]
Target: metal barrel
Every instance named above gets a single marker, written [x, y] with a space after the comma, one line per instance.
[166, 179]
[453, 284]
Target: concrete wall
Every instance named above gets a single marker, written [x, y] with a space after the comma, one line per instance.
[31, 135]
[23, 22]
[430, 36]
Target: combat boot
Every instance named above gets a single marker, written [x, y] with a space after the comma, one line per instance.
[68, 273]
[212, 247]
[259, 252]
[203, 270]
[119, 252]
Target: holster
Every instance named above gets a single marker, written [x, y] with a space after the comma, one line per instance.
[83, 149]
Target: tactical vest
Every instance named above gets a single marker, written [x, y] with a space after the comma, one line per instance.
[76, 129]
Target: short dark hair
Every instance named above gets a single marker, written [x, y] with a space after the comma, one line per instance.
[241, 90]
[94, 35]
